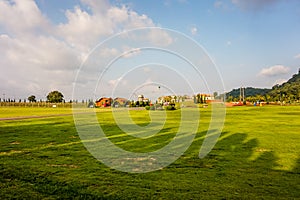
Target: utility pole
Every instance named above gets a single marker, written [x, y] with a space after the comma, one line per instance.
[242, 94]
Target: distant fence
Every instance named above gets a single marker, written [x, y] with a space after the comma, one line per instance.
[41, 104]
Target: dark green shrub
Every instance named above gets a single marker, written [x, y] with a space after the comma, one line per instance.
[169, 107]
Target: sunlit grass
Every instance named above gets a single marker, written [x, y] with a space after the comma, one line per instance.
[256, 157]
[6, 112]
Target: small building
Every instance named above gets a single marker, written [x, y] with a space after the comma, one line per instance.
[140, 98]
[146, 100]
[167, 99]
[203, 98]
[104, 102]
[142, 101]
[120, 102]
[209, 98]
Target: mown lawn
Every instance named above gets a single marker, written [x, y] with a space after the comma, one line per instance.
[6, 112]
[257, 157]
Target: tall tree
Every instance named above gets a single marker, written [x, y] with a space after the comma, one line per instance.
[55, 97]
[215, 94]
[31, 98]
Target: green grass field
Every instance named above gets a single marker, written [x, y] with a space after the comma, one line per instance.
[257, 157]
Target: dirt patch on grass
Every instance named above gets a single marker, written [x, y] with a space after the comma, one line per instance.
[15, 143]
[63, 165]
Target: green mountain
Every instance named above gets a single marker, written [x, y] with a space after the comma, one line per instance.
[249, 91]
[295, 78]
[288, 91]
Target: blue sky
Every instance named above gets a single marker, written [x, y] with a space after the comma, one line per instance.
[43, 42]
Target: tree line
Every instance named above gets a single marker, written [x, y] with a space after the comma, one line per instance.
[52, 97]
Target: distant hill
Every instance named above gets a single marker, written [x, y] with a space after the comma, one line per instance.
[295, 78]
[249, 91]
[288, 92]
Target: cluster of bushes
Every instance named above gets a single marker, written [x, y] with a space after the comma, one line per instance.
[170, 107]
[160, 107]
[138, 104]
[149, 107]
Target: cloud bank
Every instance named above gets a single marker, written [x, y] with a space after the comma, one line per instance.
[297, 56]
[254, 4]
[38, 56]
[280, 81]
[275, 70]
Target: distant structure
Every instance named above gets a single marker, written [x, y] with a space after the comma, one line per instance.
[120, 102]
[104, 102]
[167, 99]
[203, 98]
[242, 94]
[141, 98]
[209, 98]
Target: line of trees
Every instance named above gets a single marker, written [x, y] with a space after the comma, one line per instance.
[273, 96]
[52, 97]
[199, 98]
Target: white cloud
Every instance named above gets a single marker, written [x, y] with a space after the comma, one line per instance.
[114, 82]
[159, 37]
[218, 4]
[254, 5]
[98, 7]
[151, 36]
[297, 56]
[109, 52]
[85, 29]
[194, 30]
[167, 3]
[20, 17]
[228, 43]
[221, 5]
[37, 56]
[280, 81]
[274, 71]
[45, 63]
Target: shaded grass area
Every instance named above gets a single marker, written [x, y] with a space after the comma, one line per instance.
[256, 157]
